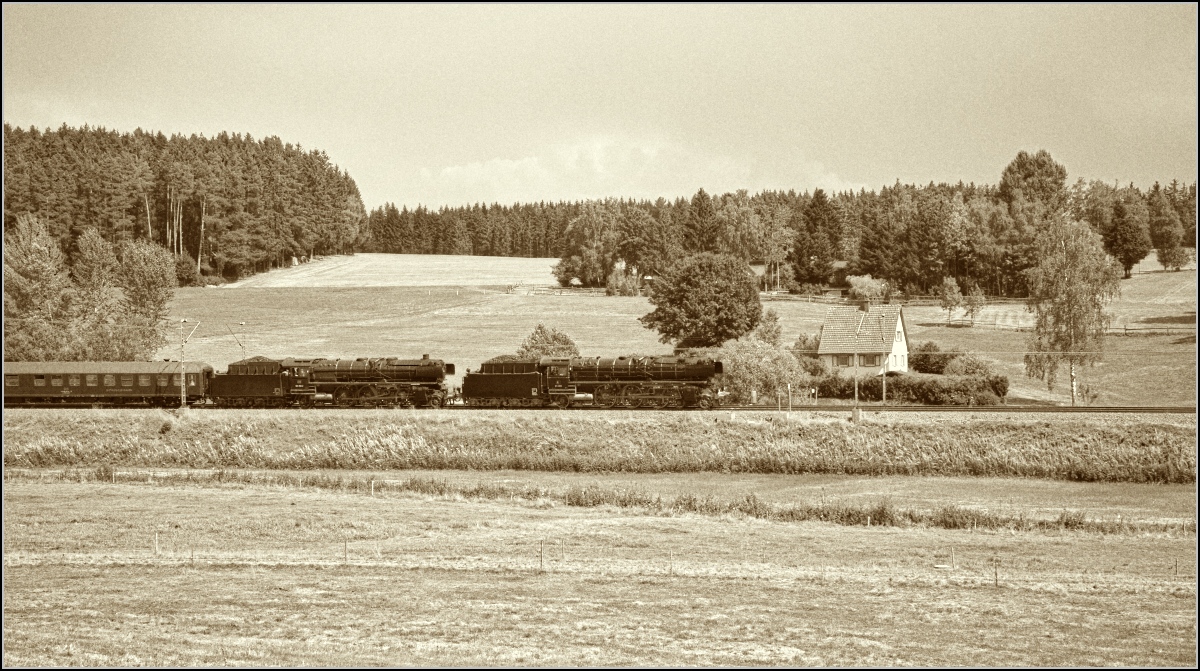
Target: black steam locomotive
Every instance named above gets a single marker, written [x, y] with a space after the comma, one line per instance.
[367, 382]
[625, 382]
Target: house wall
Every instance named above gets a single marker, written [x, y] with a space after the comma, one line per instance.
[831, 362]
[898, 358]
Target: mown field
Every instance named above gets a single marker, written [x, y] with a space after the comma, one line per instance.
[241, 574]
[389, 315]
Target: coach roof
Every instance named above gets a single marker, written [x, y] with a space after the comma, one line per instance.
[103, 367]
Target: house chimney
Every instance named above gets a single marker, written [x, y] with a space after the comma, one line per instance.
[864, 306]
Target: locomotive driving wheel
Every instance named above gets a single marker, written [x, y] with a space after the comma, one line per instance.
[606, 396]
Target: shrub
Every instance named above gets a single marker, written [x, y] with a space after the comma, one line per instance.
[752, 364]
[621, 283]
[922, 389]
[186, 273]
[929, 358]
[968, 364]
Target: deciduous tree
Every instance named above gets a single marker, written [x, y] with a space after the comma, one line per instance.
[547, 342]
[705, 298]
[1070, 287]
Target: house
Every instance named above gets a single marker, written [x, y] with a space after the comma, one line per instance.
[881, 343]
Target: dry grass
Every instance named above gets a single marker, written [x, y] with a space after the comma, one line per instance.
[253, 575]
[1106, 449]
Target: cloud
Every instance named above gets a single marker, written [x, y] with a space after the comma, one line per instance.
[602, 167]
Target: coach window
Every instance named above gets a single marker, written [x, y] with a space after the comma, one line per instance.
[39, 380]
[92, 380]
[73, 380]
[143, 380]
[56, 381]
[175, 380]
[164, 380]
[191, 377]
[110, 380]
[126, 380]
[12, 381]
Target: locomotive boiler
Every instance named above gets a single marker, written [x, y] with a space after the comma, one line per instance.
[626, 382]
[390, 381]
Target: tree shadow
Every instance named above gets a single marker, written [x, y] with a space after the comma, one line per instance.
[1188, 318]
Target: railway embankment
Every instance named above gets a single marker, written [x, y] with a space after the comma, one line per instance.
[1102, 448]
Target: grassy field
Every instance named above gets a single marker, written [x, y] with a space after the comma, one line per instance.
[269, 575]
[1106, 448]
[471, 323]
[406, 270]
[547, 538]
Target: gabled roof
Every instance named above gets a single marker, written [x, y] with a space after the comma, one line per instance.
[876, 334]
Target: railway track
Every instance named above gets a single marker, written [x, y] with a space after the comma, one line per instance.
[995, 409]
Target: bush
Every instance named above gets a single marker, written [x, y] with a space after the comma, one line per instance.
[968, 364]
[621, 284]
[807, 289]
[752, 364]
[922, 389]
[929, 358]
[186, 273]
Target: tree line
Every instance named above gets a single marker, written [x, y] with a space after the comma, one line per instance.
[231, 205]
[912, 237]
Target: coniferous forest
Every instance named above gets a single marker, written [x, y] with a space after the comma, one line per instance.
[233, 205]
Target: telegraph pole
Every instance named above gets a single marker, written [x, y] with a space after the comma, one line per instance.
[182, 365]
[857, 413]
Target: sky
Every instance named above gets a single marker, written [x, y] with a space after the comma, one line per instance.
[457, 104]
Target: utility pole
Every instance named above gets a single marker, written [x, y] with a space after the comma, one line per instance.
[182, 364]
[239, 342]
[857, 413]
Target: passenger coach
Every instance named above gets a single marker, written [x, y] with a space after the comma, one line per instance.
[154, 383]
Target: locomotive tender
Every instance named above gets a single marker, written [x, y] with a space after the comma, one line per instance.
[627, 382]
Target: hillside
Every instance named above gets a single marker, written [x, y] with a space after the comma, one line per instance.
[408, 305]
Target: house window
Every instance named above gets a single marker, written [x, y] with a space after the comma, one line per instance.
[12, 381]
[73, 380]
[843, 360]
[869, 359]
[110, 380]
[56, 381]
[39, 380]
[143, 380]
[92, 380]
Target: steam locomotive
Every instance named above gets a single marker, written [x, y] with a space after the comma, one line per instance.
[627, 382]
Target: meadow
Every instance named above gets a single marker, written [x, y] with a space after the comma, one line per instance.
[599, 538]
[240, 574]
[389, 313]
